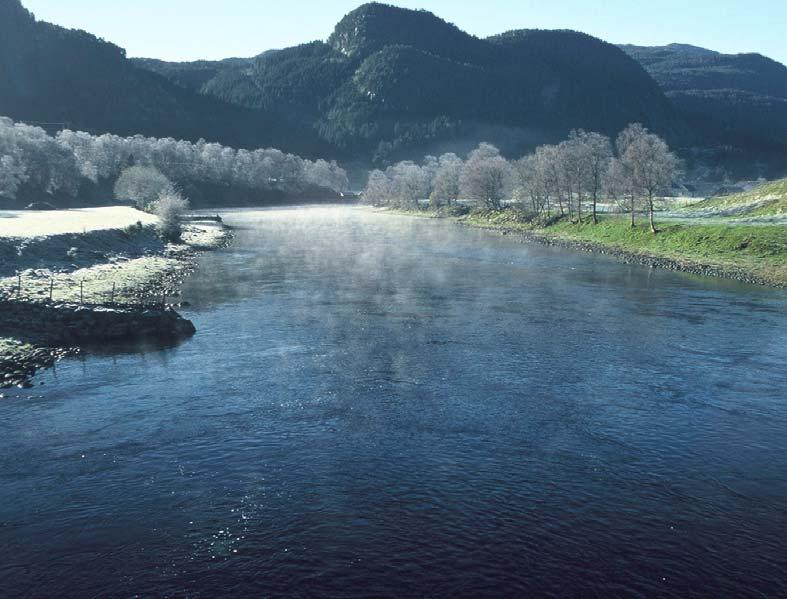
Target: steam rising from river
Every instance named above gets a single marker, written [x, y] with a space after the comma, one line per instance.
[372, 398]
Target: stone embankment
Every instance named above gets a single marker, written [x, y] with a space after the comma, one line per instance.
[59, 329]
[20, 361]
[97, 289]
[67, 325]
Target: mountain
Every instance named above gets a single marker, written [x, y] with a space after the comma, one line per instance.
[390, 81]
[734, 101]
[64, 77]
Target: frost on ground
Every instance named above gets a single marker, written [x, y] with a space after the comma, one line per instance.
[34, 223]
[114, 260]
[124, 277]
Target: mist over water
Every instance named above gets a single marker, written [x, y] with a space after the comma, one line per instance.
[388, 406]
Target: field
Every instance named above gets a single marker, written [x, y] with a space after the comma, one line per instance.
[762, 203]
[34, 223]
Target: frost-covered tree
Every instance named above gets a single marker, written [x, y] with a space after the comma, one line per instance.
[619, 185]
[550, 177]
[36, 160]
[485, 177]
[649, 163]
[409, 183]
[530, 189]
[12, 175]
[142, 185]
[325, 174]
[378, 189]
[445, 182]
[586, 158]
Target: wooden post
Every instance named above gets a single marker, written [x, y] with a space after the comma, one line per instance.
[81, 293]
[112, 301]
[51, 288]
[19, 285]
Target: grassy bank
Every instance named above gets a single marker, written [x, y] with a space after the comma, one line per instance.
[758, 250]
[756, 253]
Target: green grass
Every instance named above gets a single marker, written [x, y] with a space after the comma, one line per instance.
[760, 250]
[769, 199]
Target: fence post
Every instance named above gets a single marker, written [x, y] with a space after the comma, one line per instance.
[112, 301]
[18, 285]
[81, 293]
[51, 288]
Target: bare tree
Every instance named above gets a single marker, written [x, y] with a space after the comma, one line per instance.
[410, 183]
[571, 166]
[549, 165]
[651, 165]
[485, 176]
[620, 186]
[531, 184]
[143, 185]
[378, 188]
[593, 152]
[12, 175]
[445, 186]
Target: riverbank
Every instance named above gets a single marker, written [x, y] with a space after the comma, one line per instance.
[749, 253]
[79, 289]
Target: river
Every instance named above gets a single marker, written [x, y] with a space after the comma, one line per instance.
[387, 406]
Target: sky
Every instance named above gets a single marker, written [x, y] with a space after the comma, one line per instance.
[209, 29]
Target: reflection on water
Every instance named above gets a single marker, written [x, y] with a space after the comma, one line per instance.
[387, 406]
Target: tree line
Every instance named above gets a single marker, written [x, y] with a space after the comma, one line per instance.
[45, 165]
[567, 179]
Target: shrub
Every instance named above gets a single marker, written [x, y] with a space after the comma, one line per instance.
[135, 229]
[170, 208]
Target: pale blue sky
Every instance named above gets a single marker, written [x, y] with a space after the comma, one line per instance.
[191, 29]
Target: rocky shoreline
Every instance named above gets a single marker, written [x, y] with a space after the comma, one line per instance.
[629, 257]
[36, 332]
[626, 256]
[19, 362]
[650, 261]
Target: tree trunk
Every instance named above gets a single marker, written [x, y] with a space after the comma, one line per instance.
[632, 212]
[595, 216]
[650, 208]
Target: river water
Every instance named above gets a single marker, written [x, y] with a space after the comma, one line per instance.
[381, 406]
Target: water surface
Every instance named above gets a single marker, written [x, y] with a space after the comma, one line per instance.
[388, 406]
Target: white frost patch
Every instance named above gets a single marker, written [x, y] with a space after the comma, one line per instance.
[34, 223]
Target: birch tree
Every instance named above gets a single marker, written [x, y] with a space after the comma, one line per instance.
[378, 188]
[445, 187]
[651, 165]
[594, 153]
[485, 176]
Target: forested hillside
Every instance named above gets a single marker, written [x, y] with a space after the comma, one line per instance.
[70, 78]
[391, 84]
[390, 81]
[735, 102]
